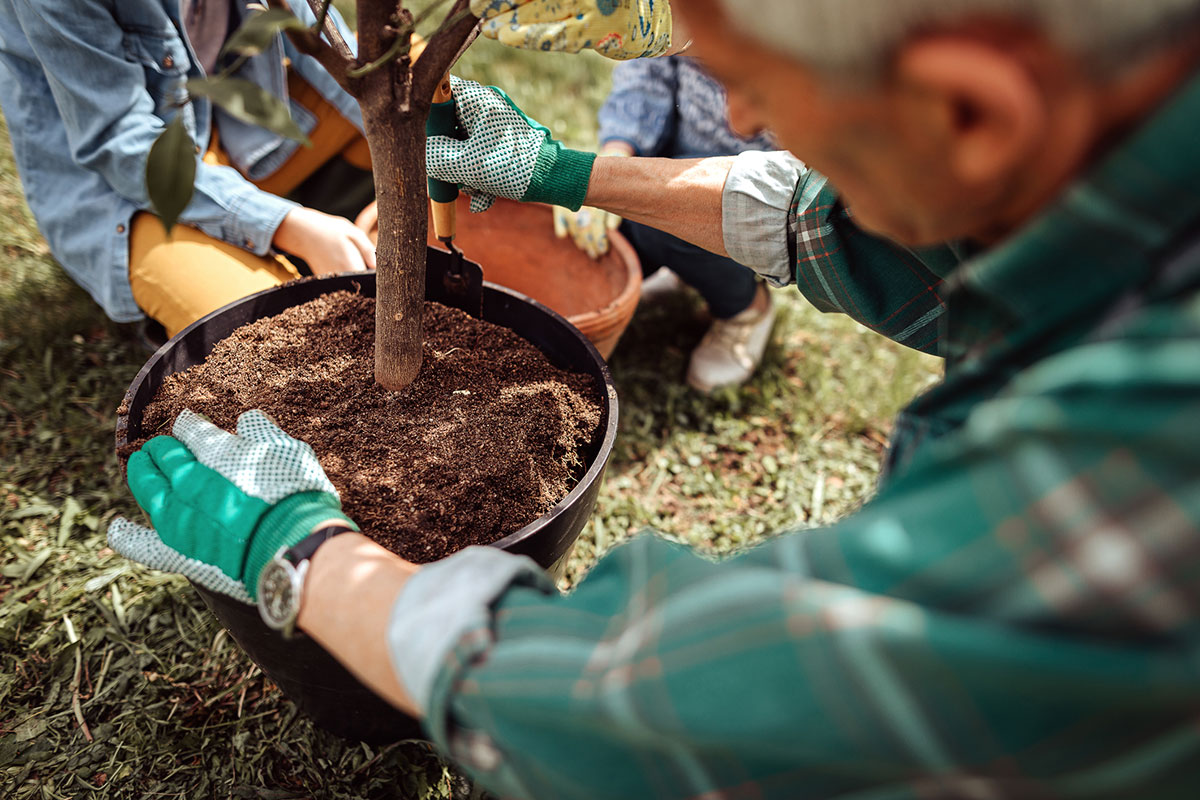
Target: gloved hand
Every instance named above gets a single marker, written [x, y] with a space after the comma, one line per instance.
[223, 504]
[506, 154]
[620, 29]
[588, 227]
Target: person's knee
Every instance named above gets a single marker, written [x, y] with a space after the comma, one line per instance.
[178, 278]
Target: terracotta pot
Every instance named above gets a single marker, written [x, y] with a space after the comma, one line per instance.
[516, 245]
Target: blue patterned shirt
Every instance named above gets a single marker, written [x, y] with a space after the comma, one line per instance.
[670, 108]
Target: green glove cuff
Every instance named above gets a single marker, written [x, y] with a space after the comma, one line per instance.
[288, 521]
[442, 121]
[560, 176]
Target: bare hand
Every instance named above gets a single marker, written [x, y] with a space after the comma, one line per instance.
[328, 244]
[368, 220]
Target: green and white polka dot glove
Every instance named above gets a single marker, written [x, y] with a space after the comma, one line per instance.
[619, 29]
[506, 154]
[223, 504]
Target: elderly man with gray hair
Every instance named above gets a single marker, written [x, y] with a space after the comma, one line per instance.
[1016, 614]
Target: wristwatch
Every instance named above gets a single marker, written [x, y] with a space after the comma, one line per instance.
[281, 582]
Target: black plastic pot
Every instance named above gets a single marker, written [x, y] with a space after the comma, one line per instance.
[313, 679]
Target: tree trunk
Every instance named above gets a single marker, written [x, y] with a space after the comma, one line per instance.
[395, 96]
[395, 126]
[398, 160]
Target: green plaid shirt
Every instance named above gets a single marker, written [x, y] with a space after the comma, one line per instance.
[1014, 615]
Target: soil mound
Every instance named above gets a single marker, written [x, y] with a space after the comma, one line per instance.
[487, 439]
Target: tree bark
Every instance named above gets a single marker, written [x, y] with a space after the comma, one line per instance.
[395, 100]
[397, 141]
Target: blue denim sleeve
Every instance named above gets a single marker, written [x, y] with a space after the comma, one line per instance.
[316, 75]
[112, 119]
[640, 109]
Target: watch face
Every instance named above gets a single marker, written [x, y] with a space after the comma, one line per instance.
[278, 599]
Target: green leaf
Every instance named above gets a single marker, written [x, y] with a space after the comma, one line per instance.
[258, 32]
[36, 510]
[171, 172]
[70, 511]
[249, 103]
[33, 565]
[31, 729]
[104, 579]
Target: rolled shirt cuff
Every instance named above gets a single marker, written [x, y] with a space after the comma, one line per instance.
[444, 602]
[756, 213]
[253, 219]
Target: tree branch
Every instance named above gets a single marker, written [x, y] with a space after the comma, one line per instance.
[455, 34]
[320, 9]
[310, 43]
[375, 19]
[400, 46]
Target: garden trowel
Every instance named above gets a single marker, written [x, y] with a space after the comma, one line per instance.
[450, 278]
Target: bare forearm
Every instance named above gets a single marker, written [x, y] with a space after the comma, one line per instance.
[351, 587]
[680, 197]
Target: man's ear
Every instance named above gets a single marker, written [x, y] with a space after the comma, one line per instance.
[980, 101]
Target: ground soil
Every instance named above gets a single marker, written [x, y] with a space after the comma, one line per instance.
[487, 439]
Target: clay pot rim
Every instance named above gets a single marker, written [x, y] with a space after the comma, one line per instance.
[628, 297]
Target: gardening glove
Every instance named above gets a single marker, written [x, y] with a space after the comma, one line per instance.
[223, 504]
[588, 228]
[620, 29]
[506, 154]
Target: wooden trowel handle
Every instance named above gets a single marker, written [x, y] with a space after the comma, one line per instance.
[443, 121]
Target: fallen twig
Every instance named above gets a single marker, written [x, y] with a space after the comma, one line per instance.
[75, 707]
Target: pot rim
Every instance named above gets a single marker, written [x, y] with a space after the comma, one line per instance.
[609, 390]
[622, 305]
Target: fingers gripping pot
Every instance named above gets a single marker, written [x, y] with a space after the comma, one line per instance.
[319, 685]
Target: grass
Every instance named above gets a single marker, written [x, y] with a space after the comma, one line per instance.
[115, 682]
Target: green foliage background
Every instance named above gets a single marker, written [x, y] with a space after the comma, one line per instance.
[171, 706]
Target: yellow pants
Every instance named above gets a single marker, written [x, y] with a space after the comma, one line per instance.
[179, 278]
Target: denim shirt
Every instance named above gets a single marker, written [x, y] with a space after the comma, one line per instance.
[87, 85]
[670, 108]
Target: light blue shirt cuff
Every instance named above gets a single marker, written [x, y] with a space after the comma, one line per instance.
[756, 212]
[254, 216]
[444, 601]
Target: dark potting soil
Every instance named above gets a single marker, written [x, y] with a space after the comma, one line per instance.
[487, 438]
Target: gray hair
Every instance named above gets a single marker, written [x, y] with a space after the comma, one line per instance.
[855, 38]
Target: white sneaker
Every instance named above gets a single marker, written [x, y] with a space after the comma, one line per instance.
[731, 350]
[658, 285]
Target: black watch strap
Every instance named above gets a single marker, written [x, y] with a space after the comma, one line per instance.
[304, 549]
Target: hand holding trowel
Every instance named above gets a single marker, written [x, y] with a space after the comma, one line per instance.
[449, 277]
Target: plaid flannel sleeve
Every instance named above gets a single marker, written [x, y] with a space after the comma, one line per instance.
[891, 289]
[784, 221]
[1010, 617]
